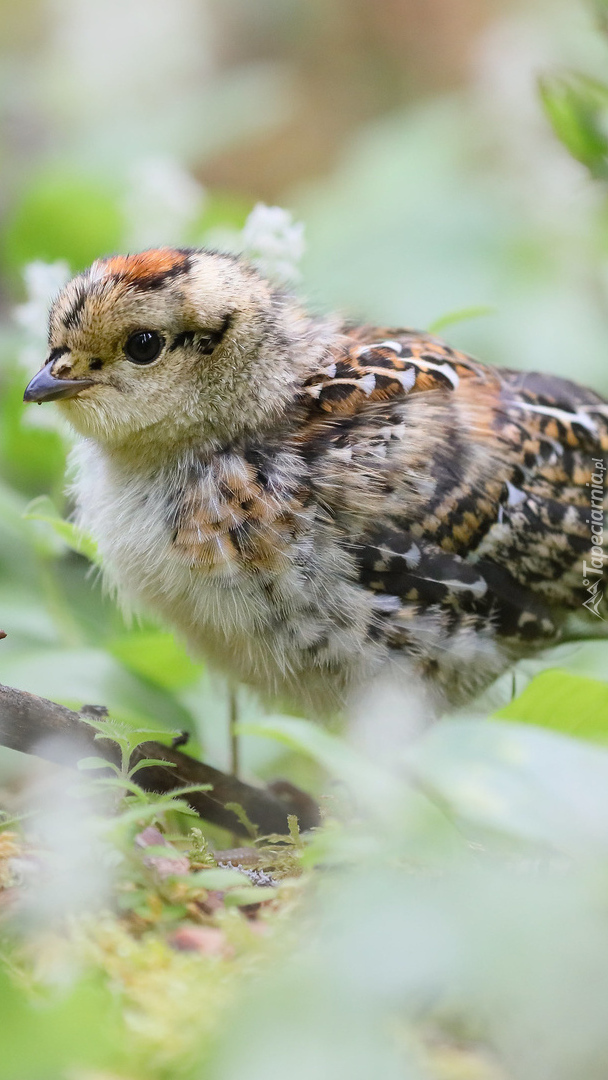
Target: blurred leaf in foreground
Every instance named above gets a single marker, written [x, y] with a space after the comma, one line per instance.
[75, 676]
[62, 217]
[568, 703]
[333, 754]
[451, 318]
[577, 107]
[157, 656]
[75, 1029]
[519, 781]
[601, 14]
[43, 509]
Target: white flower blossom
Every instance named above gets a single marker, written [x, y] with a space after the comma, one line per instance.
[161, 205]
[75, 865]
[274, 242]
[43, 282]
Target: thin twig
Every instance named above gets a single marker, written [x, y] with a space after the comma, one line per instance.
[34, 725]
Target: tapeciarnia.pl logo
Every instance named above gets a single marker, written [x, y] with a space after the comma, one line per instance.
[593, 571]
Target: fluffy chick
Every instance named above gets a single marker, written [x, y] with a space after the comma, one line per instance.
[312, 504]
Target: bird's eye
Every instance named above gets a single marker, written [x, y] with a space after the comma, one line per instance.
[143, 346]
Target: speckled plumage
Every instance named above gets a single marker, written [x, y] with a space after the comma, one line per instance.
[311, 504]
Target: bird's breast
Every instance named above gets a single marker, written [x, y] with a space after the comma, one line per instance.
[230, 553]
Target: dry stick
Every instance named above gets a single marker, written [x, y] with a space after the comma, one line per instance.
[34, 725]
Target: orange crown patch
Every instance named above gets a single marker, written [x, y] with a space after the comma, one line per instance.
[147, 267]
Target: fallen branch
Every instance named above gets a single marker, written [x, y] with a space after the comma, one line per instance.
[34, 725]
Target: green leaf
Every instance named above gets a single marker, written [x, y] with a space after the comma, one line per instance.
[72, 676]
[157, 656]
[61, 215]
[163, 850]
[13, 509]
[577, 108]
[8, 821]
[187, 789]
[519, 780]
[148, 762]
[568, 703]
[43, 509]
[294, 831]
[129, 738]
[76, 1029]
[33, 457]
[120, 783]
[462, 315]
[243, 817]
[334, 754]
[148, 812]
[218, 879]
[96, 763]
[601, 14]
[254, 894]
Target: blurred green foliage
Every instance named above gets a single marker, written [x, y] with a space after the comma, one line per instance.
[563, 702]
[61, 216]
[81, 1029]
[449, 919]
[577, 107]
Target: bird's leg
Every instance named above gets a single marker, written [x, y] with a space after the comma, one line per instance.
[233, 719]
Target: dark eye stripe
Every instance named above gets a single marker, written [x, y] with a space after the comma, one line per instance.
[185, 338]
[206, 341]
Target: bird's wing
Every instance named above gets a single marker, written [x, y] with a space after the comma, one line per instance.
[456, 485]
[245, 508]
[372, 365]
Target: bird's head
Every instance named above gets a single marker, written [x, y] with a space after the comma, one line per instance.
[168, 343]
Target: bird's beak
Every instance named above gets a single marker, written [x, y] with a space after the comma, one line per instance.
[45, 387]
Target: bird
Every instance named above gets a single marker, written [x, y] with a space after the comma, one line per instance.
[312, 504]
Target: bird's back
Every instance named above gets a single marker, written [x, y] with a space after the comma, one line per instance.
[470, 496]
